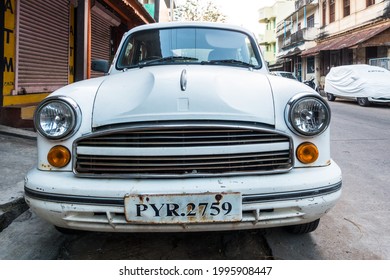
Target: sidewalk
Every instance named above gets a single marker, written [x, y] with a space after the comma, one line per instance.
[16, 132]
[18, 155]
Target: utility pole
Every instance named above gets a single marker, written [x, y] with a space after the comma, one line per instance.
[157, 10]
[171, 7]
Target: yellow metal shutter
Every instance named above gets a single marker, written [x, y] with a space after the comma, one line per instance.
[100, 39]
[42, 45]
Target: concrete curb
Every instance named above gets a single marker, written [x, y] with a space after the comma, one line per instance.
[12, 203]
[12, 207]
[17, 132]
[10, 211]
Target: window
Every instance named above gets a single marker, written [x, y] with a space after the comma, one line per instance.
[334, 58]
[310, 65]
[347, 8]
[332, 11]
[310, 21]
[324, 13]
[370, 2]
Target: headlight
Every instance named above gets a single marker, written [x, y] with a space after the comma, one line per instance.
[57, 117]
[307, 115]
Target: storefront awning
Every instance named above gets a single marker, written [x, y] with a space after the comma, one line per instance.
[131, 10]
[278, 65]
[349, 40]
[290, 52]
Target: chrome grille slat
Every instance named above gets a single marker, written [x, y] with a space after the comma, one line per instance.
[187, 158]
[177, 143]
[187, 167]
[183, 137]
[133, 153]
[217, 169]
[129, 162]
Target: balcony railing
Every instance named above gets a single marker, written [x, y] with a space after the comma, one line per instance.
[282, 27]
[305, 34]
[297, 37]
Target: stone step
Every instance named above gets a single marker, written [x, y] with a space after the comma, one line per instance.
[20, 116]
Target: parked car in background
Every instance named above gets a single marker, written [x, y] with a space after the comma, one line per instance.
[187, 132]
[284, 74]
[364, 83]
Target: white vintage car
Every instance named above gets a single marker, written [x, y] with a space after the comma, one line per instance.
[187, 132]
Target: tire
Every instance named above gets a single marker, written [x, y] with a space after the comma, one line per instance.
[363, 101]
[303, 228]
[330, 96]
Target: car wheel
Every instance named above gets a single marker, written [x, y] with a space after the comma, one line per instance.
[303, 228]
[330, 96]
[363, 101]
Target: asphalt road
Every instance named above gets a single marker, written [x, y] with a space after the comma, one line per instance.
[357, 228]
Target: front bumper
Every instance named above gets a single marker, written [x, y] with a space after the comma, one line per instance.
[299, 196]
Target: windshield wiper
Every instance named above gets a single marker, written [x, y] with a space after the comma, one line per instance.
[167, 59]
[229, 61]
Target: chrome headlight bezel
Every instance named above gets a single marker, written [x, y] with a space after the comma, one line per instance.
[67, 117]
[307, 115]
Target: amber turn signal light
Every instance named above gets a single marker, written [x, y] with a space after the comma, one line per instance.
[58, 156]
[307, 153]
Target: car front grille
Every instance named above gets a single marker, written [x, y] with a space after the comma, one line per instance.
[184, 150]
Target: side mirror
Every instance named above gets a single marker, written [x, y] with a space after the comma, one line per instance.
[100, 65]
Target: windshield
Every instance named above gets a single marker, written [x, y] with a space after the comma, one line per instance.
[188, 45]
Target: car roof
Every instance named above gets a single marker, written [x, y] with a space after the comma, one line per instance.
[177, 24]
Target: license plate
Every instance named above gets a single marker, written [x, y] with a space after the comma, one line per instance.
[183, 208]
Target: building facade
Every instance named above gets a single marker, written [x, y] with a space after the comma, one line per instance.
[49, 44]
[295, 34]
[320, 34]
[351, 32]
[270, 16]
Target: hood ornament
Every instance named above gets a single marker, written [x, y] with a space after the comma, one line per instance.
[183, 80]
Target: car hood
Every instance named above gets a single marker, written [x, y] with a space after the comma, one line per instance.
[202, 92]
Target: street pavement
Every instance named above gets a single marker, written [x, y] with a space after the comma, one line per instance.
[23, 235]
[18, 155]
